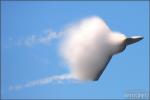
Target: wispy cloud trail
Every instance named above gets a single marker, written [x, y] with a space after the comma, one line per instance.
[45, 38]
[51, 79]
[42, 39]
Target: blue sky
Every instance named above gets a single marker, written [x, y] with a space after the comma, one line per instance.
[21, 63]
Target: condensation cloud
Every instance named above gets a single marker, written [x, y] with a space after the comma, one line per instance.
[84, 47]
[87, 46]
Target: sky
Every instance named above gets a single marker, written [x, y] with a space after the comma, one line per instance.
[30, 39]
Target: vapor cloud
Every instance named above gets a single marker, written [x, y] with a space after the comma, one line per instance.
[80, 46]
[83, 47]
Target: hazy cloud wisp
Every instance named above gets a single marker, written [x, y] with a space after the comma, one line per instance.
[51, 79]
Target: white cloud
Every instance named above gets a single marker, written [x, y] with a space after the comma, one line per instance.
[83, 47]
[87, 35]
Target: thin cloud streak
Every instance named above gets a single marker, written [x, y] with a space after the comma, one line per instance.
[59, 79]
[44, 38]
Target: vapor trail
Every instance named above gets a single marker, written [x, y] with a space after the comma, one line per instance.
[51, 79]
